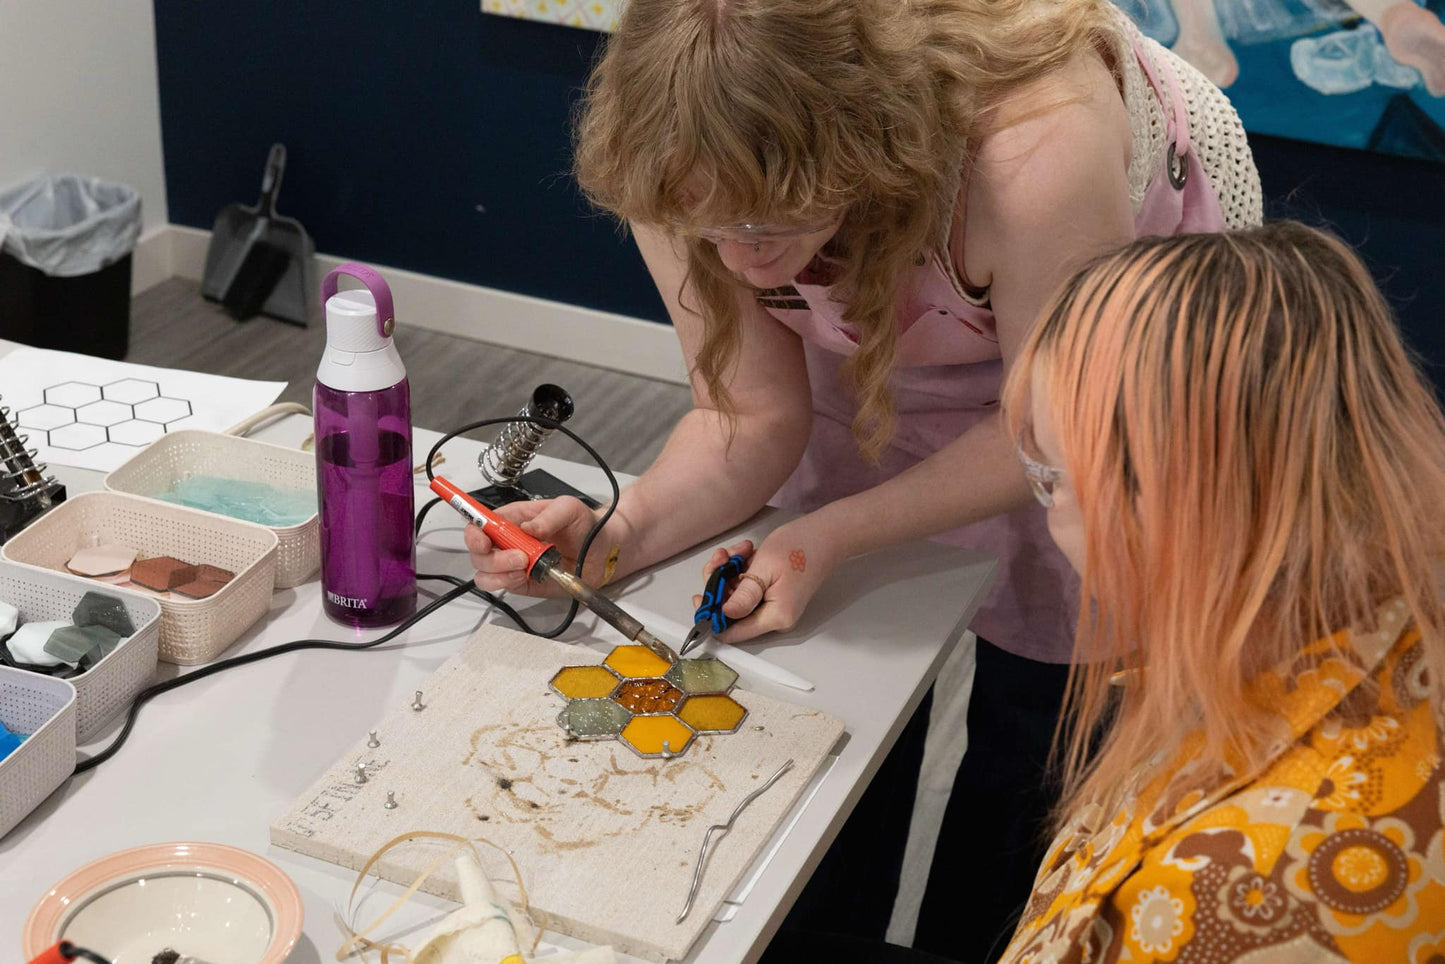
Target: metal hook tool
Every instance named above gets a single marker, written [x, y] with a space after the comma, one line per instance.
[725, 827]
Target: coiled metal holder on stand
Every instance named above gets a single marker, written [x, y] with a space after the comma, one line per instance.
[26, 492]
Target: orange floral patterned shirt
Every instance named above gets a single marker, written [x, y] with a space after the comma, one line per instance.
[1332, 852]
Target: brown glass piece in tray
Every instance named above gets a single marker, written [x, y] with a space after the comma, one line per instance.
[209, 581]
[162, 573]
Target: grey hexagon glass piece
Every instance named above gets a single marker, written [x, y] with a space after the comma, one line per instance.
[163, 410]
[103, 413]
[72, 394]
[45, 417]
[698, 676]
[593, 719]
[130, 390]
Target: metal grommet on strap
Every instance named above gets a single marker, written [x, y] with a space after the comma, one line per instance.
[389, 325]
[1178, 168]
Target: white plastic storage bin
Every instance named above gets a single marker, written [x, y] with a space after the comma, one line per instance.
[192, 630]
[191, 452]
[111, 685]
[43, 707]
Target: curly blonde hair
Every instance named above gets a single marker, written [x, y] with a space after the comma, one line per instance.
[794, 111]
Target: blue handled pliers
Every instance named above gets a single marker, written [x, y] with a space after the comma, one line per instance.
[709, 619]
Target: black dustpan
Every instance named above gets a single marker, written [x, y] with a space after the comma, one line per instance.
[259, 259]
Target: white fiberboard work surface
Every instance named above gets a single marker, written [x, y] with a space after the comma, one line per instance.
[606, 840]
[92, 413]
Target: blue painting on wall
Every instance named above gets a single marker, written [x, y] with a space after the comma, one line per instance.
[1367, 74]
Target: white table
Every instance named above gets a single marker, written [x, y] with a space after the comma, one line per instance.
[219, 759]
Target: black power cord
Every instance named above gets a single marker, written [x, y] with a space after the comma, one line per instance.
[461, 587]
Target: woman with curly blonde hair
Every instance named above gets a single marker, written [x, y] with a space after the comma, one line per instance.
[1249, 475]
[853, 210]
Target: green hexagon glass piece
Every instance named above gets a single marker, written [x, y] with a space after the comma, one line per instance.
[594, 719]
[699, 676]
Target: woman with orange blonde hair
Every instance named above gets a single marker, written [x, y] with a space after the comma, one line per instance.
[853, 210]
[1249, 475]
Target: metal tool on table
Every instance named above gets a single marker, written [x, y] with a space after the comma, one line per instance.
[723, 828]
[26, 492]
[258, 260]
[544, 561]
[709, 620]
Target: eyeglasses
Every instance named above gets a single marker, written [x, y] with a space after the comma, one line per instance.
[1042, 478]
[755, 233]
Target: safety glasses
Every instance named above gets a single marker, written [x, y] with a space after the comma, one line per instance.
[1042, 478]
[755, 233]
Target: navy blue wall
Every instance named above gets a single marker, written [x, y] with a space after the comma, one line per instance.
[402, 117]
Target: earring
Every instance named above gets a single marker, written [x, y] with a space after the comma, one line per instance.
[757, 247]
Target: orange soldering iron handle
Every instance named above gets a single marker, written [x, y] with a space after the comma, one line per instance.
[65, 952]
[504, 535]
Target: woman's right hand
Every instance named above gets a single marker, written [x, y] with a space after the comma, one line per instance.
[564, 522]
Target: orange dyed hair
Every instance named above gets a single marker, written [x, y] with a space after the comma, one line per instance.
[1258, 464]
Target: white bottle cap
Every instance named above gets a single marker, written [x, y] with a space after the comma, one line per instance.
[358, 357]
[351, 322]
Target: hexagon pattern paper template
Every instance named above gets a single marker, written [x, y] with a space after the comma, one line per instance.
[94, 413]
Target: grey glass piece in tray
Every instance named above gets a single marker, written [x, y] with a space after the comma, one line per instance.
[100, 609]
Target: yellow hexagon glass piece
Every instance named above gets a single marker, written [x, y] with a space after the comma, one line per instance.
[712, 714]
[584, 682]
[646, 734]
[634, 661]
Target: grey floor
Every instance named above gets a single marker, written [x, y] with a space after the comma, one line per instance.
[453, 380]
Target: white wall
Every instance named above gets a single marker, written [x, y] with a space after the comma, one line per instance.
[80, 94]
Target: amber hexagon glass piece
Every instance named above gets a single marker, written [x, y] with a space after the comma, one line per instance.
[702, 676]
[584, 682]
[648, 695]
[647, 734]
[593, 719]
[712, 714]
[636, 661]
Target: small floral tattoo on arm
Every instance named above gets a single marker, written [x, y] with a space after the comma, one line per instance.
[799, 560]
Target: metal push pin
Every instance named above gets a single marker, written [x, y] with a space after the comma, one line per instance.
[416, 702]
[360, 773]
[390, 803]
[372, 741]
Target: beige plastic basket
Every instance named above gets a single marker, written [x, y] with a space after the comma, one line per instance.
[43, 707]
[189, 453]
[192, 630]
[111, 685]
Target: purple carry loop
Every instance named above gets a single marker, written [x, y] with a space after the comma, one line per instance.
[374, 282]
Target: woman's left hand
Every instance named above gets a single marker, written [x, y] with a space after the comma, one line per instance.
[782, 576]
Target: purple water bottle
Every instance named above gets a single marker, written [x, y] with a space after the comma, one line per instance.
[363, 458]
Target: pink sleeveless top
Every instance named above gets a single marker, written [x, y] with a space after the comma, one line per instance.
[947, 377]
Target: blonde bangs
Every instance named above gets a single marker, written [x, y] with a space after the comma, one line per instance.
[733, 132]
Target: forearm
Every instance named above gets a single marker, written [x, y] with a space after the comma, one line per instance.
[702, 483]
[974, 477]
